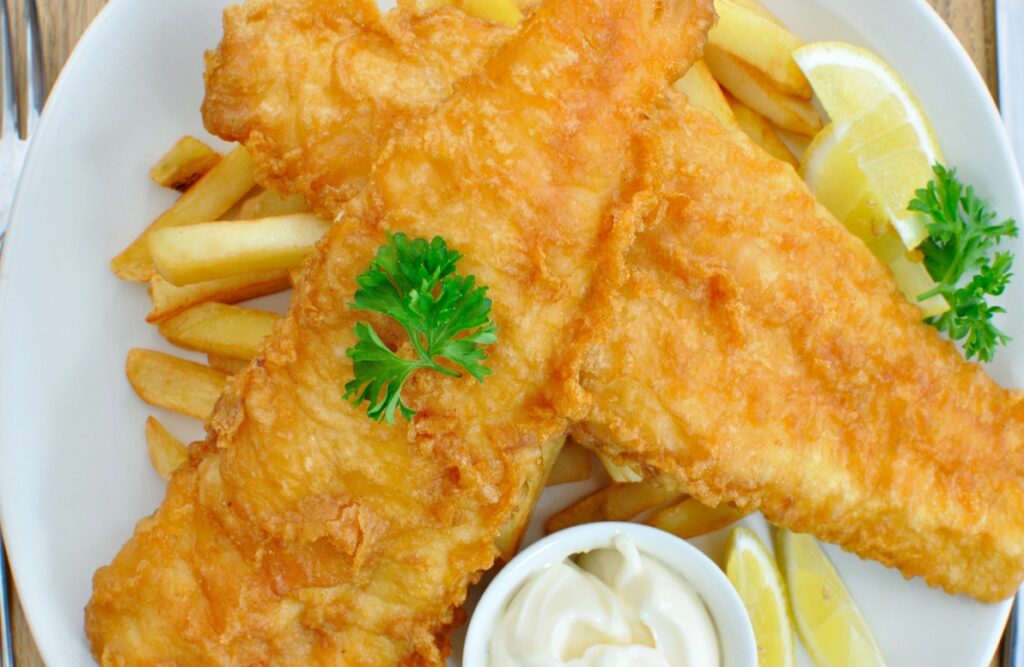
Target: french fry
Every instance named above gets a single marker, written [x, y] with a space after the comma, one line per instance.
[615, 502]
[505, 12]
[619, 472]
[511, 534]
[187, 161]
[798, 143]
[169, 300]
[757, 7]
[208, 199]
[231, 331]
[760, 42]
[171, 382]
[229, 365]
[689, 518]
[755, 90]
[267, 204]
[703, 91]
[572, 465]
[757, 127]
[166, 452]
[207, 251]
[294, 274]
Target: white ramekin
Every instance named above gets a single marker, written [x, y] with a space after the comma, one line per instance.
[735, 633]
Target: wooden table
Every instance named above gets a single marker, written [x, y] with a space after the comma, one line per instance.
[62, 22]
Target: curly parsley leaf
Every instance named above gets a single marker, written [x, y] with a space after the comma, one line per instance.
[960, 255]
[445, 315]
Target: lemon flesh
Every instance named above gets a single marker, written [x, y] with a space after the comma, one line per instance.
[836, 179]
[827, 619]
[879, 123]
[753, 572]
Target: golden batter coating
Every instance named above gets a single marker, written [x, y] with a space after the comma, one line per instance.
[314, 88]
[763, 356]
[301, 532]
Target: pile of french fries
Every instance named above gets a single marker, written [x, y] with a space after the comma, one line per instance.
[749, 80]
[226, 241]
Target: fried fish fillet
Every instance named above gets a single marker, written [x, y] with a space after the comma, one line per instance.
[790, 376]
[301, 532]
[315, 88]
[761, 355]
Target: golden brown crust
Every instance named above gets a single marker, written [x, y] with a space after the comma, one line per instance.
[351, 542]
[314, 88]
[745, 343]
[764, 356]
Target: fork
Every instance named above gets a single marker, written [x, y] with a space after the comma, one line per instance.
[22, 105]
[23, 95]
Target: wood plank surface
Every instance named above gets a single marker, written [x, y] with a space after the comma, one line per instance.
[62, 22]
[973, 21]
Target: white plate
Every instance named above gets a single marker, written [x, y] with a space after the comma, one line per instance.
[74, 475]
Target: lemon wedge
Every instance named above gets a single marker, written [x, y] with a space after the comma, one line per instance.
[830, 625]
[835, 177]
[879, 124]
[752, 570]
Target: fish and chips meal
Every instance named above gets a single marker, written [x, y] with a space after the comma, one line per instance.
[524, 238]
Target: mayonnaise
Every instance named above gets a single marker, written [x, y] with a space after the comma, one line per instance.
[610, 608]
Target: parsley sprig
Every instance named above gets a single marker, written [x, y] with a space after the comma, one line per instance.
[446, 316]
[960, 255]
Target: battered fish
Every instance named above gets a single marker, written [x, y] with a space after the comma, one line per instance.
[741, 366]
[315, 88]
[301, 532]
[763, 356]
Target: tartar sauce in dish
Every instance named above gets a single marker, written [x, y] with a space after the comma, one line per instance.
[610, 608]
